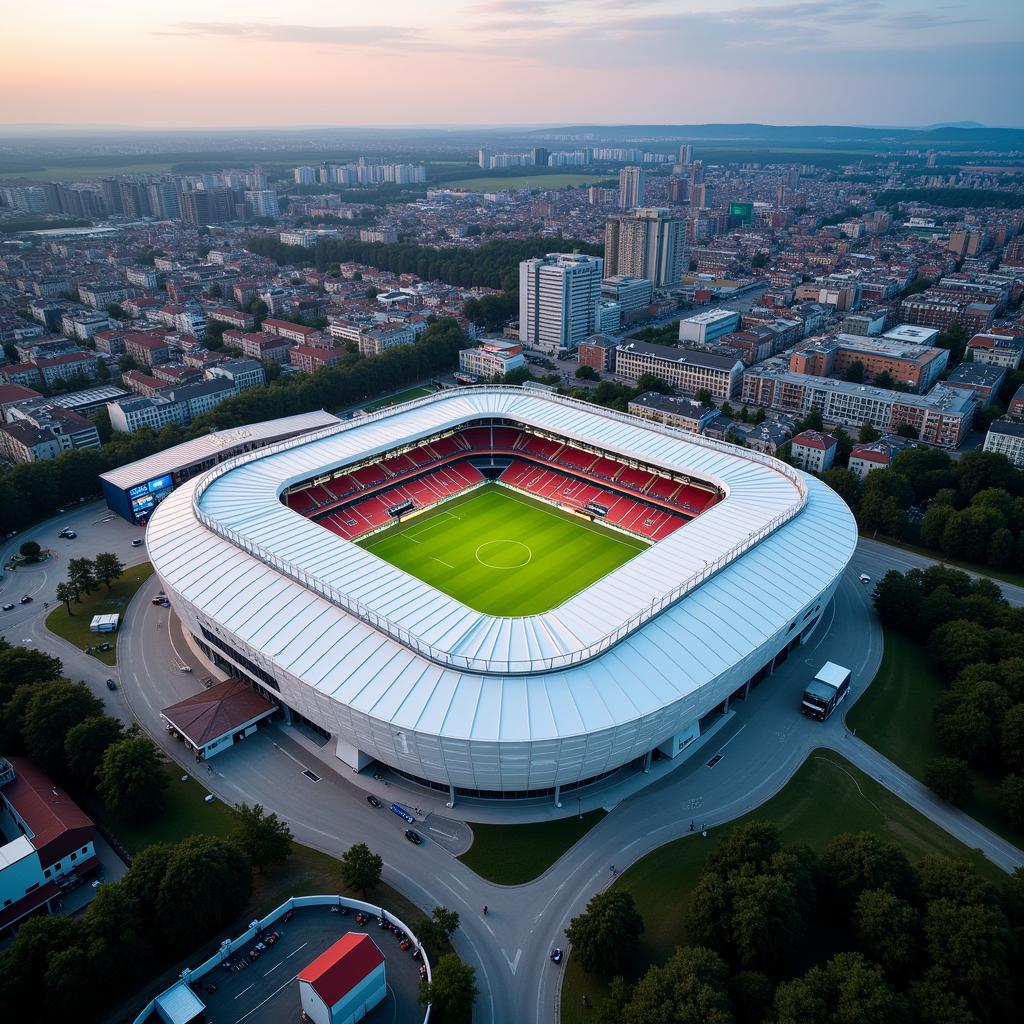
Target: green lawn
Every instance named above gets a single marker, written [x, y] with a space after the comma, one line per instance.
[402, 396]
[896, 716]
[60, 172]
[828, 795]
[483, 184]
[502, 553]
[513, 854]
[75, 627]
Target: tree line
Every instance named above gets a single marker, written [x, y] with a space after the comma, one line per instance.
[492, 265]
[976, 643]
[855, 935]
[951, 198]
[971, 507]
[31, 491]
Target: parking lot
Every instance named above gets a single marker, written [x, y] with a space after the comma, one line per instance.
[266, 989]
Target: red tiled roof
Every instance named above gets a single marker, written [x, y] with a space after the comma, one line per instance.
[221, 709]
[15, 393]
[47, 810]
[340, 968]
[20, 908]
[812, 439]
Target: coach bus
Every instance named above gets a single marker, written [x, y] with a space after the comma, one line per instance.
[826, 691]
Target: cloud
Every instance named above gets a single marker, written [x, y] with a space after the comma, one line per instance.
[383, 36]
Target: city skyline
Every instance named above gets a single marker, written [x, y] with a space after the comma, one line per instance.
[479, 62]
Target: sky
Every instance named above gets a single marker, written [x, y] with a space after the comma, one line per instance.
[213, 63]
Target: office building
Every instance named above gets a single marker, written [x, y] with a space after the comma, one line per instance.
[559, 296]
[1006, 437]
[704, 328]
[917, 367]
[493, 358]
[632, 187]
[690, 370]
[633, 294]
[648, 242]
[673, 411]
[597, 352]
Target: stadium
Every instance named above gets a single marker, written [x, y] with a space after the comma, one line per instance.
[500, 591]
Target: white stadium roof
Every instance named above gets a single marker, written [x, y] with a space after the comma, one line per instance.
[629, 649]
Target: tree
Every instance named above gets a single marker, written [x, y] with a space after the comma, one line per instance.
[884, 380]
[752, 844]
[705, 398]
[81, 576]
[1011, 800]
[587, 373]
[605, 935]
[26, 962]
[30, 550]
[1011, 738]
[437, 930]
[856, 861]
[846, 990]
[845, 483]
[855, 372]
[66, 593]
[131, 778]
[51, 711]
[116, 931]
[264, 838]
[751, 994]
[86, 743]
[907, 430]
[451, 992]
[950, 778]
[889, 931]
[361, 868]
[20, 665]
[107, 567]
[690, 988]
[867, 433]
[210, 876]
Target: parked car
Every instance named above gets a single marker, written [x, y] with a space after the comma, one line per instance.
[414, 837]
[864, 578]
[8, 607]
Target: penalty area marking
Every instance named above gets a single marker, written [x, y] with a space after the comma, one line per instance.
[450, 566]
[508, 543]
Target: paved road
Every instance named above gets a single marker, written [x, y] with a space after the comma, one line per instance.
[761, 746]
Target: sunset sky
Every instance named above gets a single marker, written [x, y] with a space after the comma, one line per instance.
[212, 63]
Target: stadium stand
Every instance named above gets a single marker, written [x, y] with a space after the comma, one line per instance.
[636, 500]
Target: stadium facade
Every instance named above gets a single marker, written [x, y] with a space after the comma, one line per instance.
[393, 670]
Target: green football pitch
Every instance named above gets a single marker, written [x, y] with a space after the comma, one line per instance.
[502, 553]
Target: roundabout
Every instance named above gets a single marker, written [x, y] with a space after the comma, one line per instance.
[504, 554]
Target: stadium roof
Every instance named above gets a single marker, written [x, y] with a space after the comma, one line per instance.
[294, 617]
[202, 448]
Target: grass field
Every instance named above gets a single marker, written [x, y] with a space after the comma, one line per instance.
[896, 716]
[58, 172]
[828, 795]
[402, 396]
[75, 627]
[514, 854]
[524, 181]
[503, 554]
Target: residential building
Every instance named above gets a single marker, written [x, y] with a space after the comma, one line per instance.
[263, 202]
[598, 352]
[632, 187]
[380, 339]
[142, 277]
[996, 350]
[235, 317]
[978, 379]
[140, 383]
[865, 458]
[648, 243]
[942, 417]
[267, 348]
[307, 359]
[64, 367]
[242, 373]
[492, 358]
[47, 840]
[387, 235]
[82, 324]
[1016, 407]
[148, 349]
[813, 451]
[691, 370]
[704, 328]
[70, 429]
[1006, 437]
[936, 312]
[915, 366]
[673, 411]
[99, 296]
[130, 414]
[558, 301]
[208, 206]
[297, 334]
[23, 442]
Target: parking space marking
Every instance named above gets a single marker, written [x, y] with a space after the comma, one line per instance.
[274, 968]
[294, 951]
[244, 990]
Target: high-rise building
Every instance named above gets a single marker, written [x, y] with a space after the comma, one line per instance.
[559, 301]
[632, 187]
[304, 175]
[696, 172]
[484, 158]
[648, 243]
[702, 197]
[207, 206]
[540, 156]
[164, 199]
[263, 202]
[678, 191]
[134, 199]
[111, 195]
[686, 153]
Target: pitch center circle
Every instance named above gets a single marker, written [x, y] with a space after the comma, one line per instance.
[504, 554]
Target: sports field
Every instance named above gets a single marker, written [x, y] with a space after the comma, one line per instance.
[502, 553]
